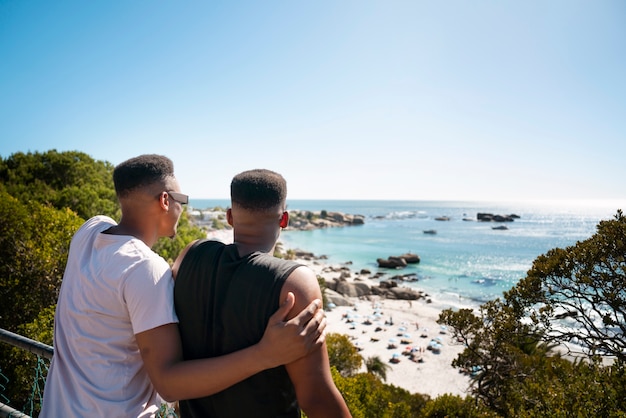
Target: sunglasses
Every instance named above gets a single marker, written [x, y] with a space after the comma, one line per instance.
[183, 199]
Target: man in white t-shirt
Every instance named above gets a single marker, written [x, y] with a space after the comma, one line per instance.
[116, 341]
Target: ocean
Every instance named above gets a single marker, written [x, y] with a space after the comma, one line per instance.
[465, 262]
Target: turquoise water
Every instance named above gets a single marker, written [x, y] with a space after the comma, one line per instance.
[465, 262]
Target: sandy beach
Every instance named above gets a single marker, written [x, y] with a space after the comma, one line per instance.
[394, 329]
[376, 325]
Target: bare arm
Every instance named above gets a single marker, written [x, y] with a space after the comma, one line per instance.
[282, 342]
[316, 392]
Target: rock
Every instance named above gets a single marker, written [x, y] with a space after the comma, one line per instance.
[392, 262]
[387, 284]
[303, 254]
[490, 217]
[305, 220]
[358, 220]
[331, 284]
[398, 261]
[345, 275]
[410, 258]
[404, 293]
[336, 298]
[412, 277]
[353, 289]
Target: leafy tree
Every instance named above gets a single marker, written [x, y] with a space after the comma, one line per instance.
[342, 354]
[581, 292]
[510, 342]
[368, 397]
[69, 179]
[34, 242]
[377, 367]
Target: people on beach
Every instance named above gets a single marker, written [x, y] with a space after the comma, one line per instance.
[224, 294]
[117, 349]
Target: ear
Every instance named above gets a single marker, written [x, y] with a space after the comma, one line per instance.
[164, 201]
[229, 216]
[284, 220]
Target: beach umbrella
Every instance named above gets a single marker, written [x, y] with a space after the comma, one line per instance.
[332, 305]
[402, 329]
[435, 346]
[406, 335]
[395, 355]
[393, 340]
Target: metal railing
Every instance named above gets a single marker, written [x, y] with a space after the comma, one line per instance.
[35, 347]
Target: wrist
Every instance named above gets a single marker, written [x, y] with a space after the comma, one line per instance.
[262, 357]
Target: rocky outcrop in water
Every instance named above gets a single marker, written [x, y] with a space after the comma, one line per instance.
[305, 220]
[490, 217]
[398, 261]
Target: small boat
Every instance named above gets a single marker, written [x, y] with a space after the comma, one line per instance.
[500, 228]
[430, 231]
[442, 218]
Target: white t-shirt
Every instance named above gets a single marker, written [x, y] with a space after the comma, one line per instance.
[114, 287]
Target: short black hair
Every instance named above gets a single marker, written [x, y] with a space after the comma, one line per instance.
[141, 171]
[258, 190]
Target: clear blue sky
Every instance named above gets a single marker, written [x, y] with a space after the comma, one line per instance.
[415, 100]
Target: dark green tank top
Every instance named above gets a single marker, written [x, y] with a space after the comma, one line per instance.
[223, 303]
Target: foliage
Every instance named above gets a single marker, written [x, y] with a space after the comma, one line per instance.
[510, 342]
[563, 388]
[69, 179]
[377, 367]
[342, 354]
[34, 241]
[584, 288]
[455, 406]
[367, 397]
[187, 231]
[24, 365]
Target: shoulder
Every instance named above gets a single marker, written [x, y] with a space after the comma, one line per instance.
[97, 223]
[197, 245]
[302, 282]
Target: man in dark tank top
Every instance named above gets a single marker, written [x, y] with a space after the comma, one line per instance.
[224, 295]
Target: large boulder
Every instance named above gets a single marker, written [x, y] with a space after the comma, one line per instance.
[336, 298]
[392, 262]
[410, 258]
[403, 293]
[356, 219]
[353, 289]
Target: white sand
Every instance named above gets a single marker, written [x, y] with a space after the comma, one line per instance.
[434, 375]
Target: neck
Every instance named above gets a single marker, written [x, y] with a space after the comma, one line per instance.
[135, 230]
[248, 242]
